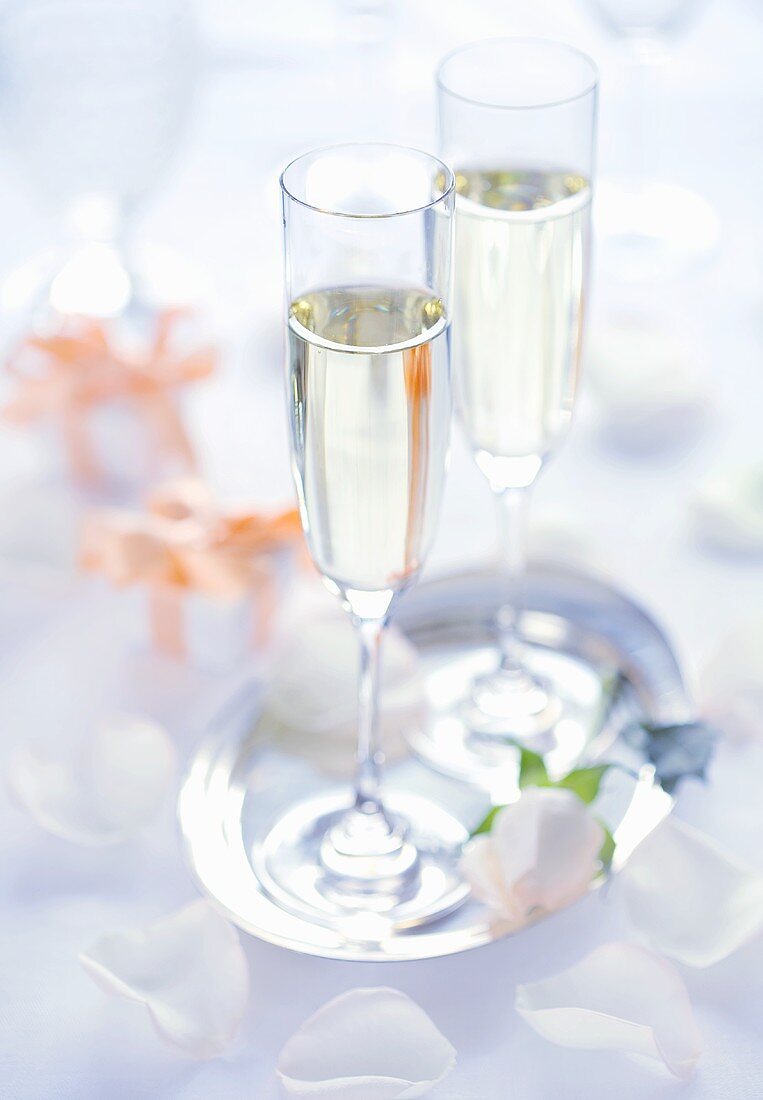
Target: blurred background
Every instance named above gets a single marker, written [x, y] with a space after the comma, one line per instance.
[141, 146]
[141, 335]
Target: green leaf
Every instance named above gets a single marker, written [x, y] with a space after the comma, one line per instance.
[584, 782]
[607, 850]
[677, 751]
[532, 770]
[612, 684]
[487, 822]
[532, 773]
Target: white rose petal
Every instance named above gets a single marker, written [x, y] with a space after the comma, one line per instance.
[189, 970]
[689, 897]
[728, 510]
[367, 1044]
[620, 997]
[99, 792]
[540, 855]
[730, 687]
[312, 700]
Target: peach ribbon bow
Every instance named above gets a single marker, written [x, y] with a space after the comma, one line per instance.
[79, 367]
[182, 543]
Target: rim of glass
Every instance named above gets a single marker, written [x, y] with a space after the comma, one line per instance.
[448, 188]
[518, 40]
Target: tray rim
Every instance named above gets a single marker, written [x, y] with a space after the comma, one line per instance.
[429, 943]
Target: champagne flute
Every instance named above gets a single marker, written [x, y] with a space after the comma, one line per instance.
[517, 120]
[648, 227]
[368, 235]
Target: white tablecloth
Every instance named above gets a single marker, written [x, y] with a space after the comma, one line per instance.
[61, 662]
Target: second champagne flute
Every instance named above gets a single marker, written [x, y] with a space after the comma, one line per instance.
[368, 237]
[517, 121]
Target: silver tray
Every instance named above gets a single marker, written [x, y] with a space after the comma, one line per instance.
[239, 782]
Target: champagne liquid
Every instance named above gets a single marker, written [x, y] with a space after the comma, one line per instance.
[521, 259]
[370, 418]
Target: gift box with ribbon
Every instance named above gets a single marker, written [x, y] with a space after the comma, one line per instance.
[112, 403]
[210, 579]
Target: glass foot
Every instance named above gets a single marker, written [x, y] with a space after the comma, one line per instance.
[657, 230]
[512, 704]
[334, 864]
[563, 708]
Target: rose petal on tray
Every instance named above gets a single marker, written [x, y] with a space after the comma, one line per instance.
[189, 970]
[540, 855]
[730, 686]
[690, 897]
[367, 1044]
[101, 790]
[620, 997]
[311, 702]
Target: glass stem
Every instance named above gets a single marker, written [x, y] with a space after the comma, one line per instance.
[370, 757]
[512, 506]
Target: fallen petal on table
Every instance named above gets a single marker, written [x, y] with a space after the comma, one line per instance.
[189, 970]
[367, 1044]
[102, 790]
[621, 997]
[691, 898]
